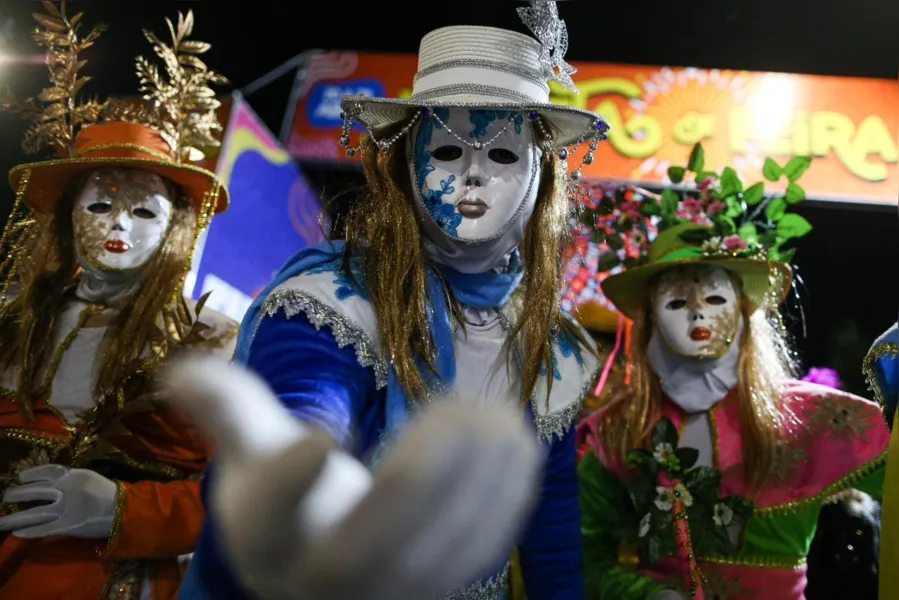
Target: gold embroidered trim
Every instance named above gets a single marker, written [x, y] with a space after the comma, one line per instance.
[116, 520]
[759, 562]
[126, 146]
[835, 487]
[23, 435]
[713, 427]
[882, 351]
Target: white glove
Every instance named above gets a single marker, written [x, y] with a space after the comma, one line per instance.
[302, 520]
[82, 503]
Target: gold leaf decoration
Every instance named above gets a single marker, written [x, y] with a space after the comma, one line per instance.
[181, 104]
[56, 113]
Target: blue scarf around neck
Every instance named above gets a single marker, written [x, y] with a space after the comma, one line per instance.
[481, 291]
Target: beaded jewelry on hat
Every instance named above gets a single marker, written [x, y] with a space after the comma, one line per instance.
[534, 69]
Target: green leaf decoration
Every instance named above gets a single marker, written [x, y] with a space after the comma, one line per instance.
[687, 457]
[797, 166]
[650, 208]
[787, 255]
[793, 226]
[670, 200]
[597, 236]
[776, 209]
[701, 480]
[754, 194]
[664, 433]
[607, 262]
[696, 237]
[676, 174]
[630, 262]
[771, 170]
[615, 242]
[638, 457]
[795, 193]
[730, 182]
[703, 175]
[697, 159]
[734, 207]
[725, 226]
[748, 232]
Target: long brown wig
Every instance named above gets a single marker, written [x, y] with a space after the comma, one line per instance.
[382, 231]
[765, 364]
[47, 278]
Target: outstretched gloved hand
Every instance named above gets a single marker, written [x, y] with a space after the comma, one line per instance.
[79, 503]
[301, 519]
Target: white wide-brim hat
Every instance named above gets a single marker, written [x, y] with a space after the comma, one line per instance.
[480, 68]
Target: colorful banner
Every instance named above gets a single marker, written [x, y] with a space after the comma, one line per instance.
[273, 214]
[849, 125]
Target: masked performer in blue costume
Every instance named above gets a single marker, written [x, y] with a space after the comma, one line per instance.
[446, 284]
[881, 367]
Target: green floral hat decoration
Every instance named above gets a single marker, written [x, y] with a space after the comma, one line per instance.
[716, 221]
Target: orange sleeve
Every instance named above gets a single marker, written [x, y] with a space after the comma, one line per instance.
[155, 520]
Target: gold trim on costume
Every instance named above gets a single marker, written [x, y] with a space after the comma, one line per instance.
[758, 562]
[125, 146]
[116, 520]
[882, 351]
[837, 486]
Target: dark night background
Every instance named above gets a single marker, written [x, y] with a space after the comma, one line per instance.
[847, 262]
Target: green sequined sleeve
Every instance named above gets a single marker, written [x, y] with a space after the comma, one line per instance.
[602, 506]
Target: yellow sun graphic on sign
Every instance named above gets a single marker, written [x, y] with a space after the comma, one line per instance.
[692, 106]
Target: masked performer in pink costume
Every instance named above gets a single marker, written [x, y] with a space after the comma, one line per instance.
[447, 283]
[705, 480]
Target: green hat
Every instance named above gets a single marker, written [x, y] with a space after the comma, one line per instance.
[764, 281]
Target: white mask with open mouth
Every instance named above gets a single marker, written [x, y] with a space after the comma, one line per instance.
[120, 219]
[475, 204]
[696, 311]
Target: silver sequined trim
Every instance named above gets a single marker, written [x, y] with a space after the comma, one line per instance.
[559, 423]
[492, 589]
[527, 74]
[346, 331]
[491, 91]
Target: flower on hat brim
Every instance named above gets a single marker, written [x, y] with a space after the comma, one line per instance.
[764, 282]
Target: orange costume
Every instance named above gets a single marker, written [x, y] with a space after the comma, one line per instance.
[100, 482]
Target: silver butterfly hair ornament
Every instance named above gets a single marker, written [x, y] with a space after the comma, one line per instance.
[542, 18]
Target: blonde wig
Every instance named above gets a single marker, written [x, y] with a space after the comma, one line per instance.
[46, 279]
[765, 364]
[382, 231]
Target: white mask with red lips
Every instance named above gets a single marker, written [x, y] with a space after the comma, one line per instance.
[697, 325]
[119, 220]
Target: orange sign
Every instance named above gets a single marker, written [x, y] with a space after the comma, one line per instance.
[849, 125]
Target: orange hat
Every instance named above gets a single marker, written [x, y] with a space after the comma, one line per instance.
[117, 144]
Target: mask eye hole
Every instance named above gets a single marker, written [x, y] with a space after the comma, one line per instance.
[676, 304]
[502, 156]
[447, 153]
[99, 208]
[144, 213]
[716, 300]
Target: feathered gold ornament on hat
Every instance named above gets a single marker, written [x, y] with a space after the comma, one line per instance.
[162, 134]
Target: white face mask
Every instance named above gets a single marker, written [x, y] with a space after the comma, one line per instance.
[475, 196]
[121, 218]
[696, 311]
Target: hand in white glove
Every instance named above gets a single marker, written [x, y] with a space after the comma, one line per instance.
[81, 503]
[302, 520]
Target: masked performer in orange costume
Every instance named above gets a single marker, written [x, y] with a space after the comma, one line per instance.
[100, 490]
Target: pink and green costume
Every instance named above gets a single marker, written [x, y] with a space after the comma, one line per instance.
[655, 522]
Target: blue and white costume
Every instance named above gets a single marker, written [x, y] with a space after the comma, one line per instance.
[483, 144]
